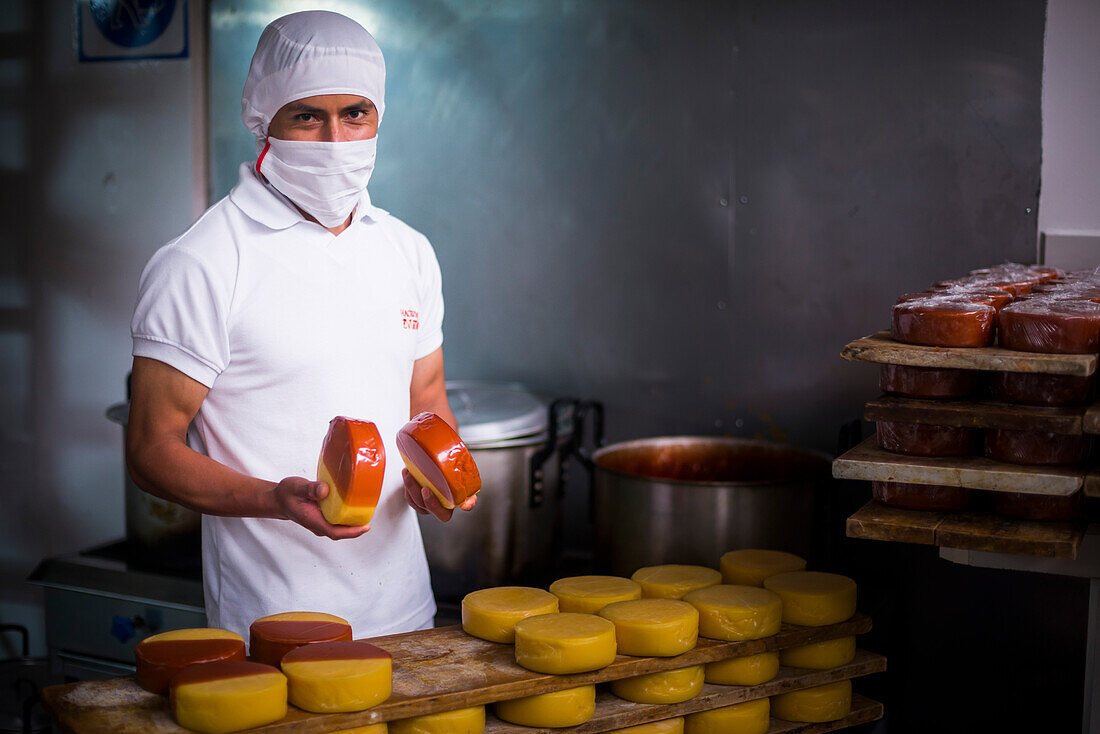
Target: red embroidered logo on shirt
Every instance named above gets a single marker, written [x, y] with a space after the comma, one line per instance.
[410, 319]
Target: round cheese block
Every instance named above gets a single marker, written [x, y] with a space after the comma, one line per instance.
[273, 636]
[669, 686]
[750, 670]
[750, 566]
[820, 655]
[664, 726]
[926, 382]
[814, 598]
[565, 643]
[491, 614]
[943, 321]
[227, 696]
[750, 717]
[369, 729]
[1051, 326]
[918, 439]
[673, 581]
[590, 594]
[815, 705]
[928, 497]
[159, 657]
[461, 721]
[438, 459]
[657, 627]
[1036, 448]
[328, 677]
[1046, 508]
[1036, 388]
[729, 612]
[353, 465]
[569, 707]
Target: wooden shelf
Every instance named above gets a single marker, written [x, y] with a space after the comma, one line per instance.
[868, 462]
[967, 531]
[881, 349]
[979, 414]
[439, 670]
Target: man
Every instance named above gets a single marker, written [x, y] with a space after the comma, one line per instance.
[289, 302]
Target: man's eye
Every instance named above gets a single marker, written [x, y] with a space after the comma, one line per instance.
[305, 117]
[357, 114]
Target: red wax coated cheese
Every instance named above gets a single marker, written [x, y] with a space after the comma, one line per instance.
[438, 459]
[917, 439]
[1040, 506]
[272, 637]
[926, 382]
[159, 657]
[944, 322]
[1037, 448]
[353, 465]
[1036, 388]
[927, 497]
[1051, 326]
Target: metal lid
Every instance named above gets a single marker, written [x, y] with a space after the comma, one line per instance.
[495, 411]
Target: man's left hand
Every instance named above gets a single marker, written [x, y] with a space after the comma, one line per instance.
[424, 501]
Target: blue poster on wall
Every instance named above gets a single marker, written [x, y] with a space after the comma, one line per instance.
[114, 30]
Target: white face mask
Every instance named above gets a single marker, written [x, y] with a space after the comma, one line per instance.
[324, 179]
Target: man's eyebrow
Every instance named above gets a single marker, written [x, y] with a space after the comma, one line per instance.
[300, 106]
[363, 104]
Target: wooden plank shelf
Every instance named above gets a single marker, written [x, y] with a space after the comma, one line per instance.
[882, 349]
[868, 462]
[433, 670]
[978, 414]
[967, 531]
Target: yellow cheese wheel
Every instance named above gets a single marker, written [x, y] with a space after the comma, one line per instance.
[227, 696]
[814, 598]
[668, 686]
[570, 707]
[328, 677]
[665, 726]
[737, 612]
[813, 705]
[750, 670]
[590, 594]
[750, 717]
[491, 614]
[565, 643]
[370, 729]
[659, 627]
[820, 655]
[749, 567]
[461, 721]
[673, 581]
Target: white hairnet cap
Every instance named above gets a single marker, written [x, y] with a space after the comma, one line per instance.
[306, 54]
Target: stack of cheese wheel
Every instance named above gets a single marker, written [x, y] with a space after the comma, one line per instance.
[331, 677]
[736, 613]
[157, 659]
[491, 614]
[657, 628]
[273, 636]
[590, 594]
[227, 696]
[673, 581]
[469, 720]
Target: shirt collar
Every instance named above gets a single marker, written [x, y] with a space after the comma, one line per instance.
[260, 201]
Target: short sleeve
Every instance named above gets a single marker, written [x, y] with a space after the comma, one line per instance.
[181, 317]
[430, 286]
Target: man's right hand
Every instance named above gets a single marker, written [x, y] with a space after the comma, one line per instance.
[298, 498]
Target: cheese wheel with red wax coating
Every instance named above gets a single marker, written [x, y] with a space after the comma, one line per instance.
[353, 465]
[159, 657]
[273, 636]
[438, 459]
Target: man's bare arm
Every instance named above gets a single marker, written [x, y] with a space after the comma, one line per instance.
[163, 403]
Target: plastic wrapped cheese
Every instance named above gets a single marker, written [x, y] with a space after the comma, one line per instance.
[590, 594]
[672, 581]
[653, 627]
[438, 459]
[565, 643]
[1036, 448]
[665, 687]
[820, 655]
[469, 720]
[569, 707]
[944, 321]
[491, 614]
[1051, 326]
[749, 670]
[353, 465]
[330, 677]
[227, 696]
[750, 717]
[273, 636]
[925, 497]
[750, 566]
[919, 439]
[1047, 508]
[730, 612]
[1037, 388]
[159, 657]
[926, 382]
[814, 598]
[664, 726]
[815, 705]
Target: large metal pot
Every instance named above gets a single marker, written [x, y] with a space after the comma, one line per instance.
[690, 499]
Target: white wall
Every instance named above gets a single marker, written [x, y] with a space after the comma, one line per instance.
[103, 156]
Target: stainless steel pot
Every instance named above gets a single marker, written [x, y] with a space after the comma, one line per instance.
[690, 499]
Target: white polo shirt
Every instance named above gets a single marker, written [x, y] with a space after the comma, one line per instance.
[289, 326]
